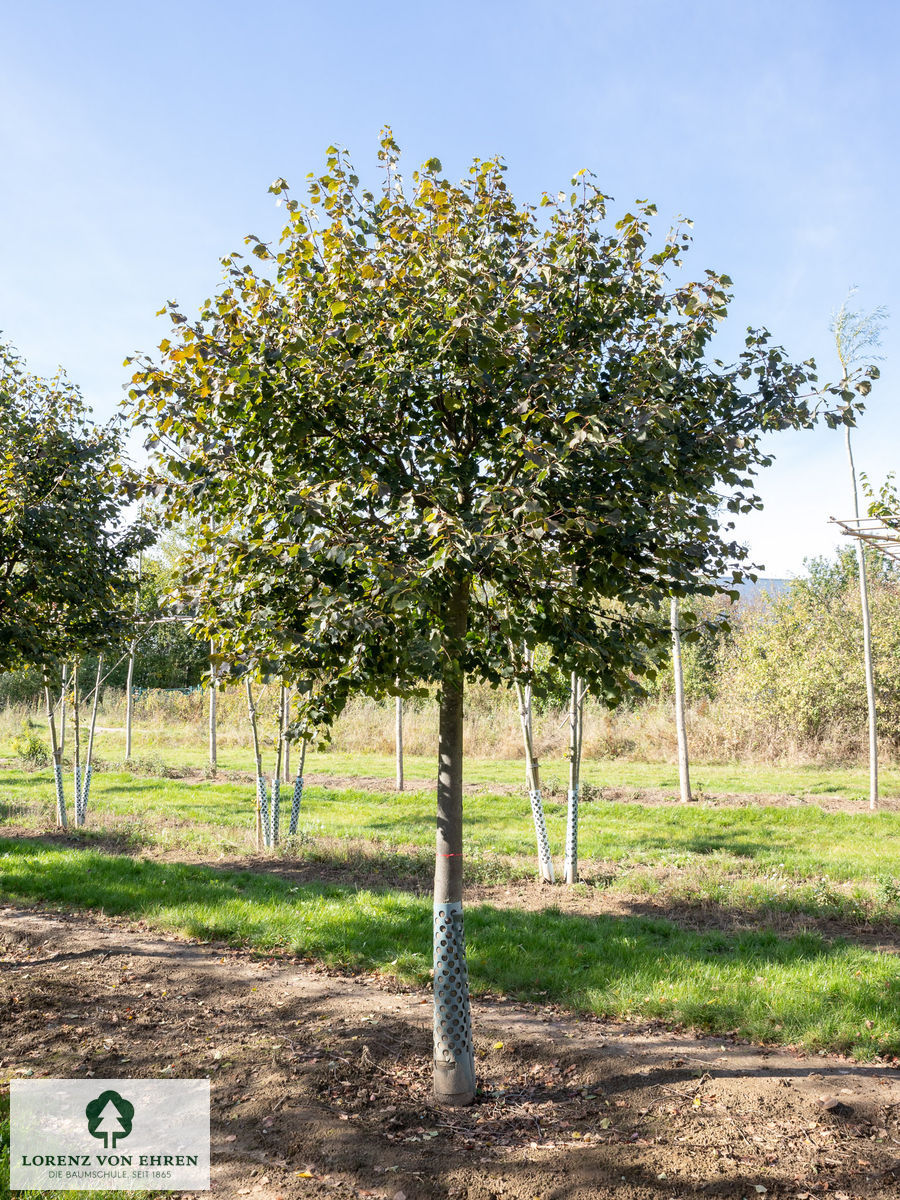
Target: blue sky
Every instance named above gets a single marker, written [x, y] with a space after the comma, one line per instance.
[137, 142]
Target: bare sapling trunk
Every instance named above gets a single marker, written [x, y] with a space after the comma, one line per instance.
[276, 778]
[867, 643]
[56, 750]
[88, 764]
[684, 774]
[533, 778]
[213, 693]
[298, 790]
[286, 765]
[454, 1058]
[129, 701]
[398, 740]
[576, 712]
[262, 803]
[76, 740]
[62, 710]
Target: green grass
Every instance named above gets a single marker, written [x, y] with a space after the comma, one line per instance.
[789, 843]
[802, 989]
[183, 747]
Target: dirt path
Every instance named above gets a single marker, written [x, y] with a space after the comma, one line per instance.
[321, 1081]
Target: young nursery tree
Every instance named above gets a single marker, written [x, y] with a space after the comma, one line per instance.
[65, 576]
[433, 422]
[857, 336]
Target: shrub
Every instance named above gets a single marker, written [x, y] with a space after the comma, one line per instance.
[29, 747]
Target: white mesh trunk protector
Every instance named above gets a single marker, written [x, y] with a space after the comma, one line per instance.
[60, 797]
[276, 809]
[540, 829]
[262, 799]
[452, 1023]
[295, 804]
[85, 792]
[572, 837]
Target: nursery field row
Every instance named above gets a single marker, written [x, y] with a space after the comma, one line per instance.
[780, 922]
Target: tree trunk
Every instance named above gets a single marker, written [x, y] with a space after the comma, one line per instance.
[684, 775]
[286, 776]
[867, 643]
[576, 702]
[76, 739]
[86, 781]
[276, 778]
[56, 749]
[213, 693]
[454, 1059]
[128, 700]
[298, 790]
[262, 803]
[533, 780]
[398, 740]
[62, 711]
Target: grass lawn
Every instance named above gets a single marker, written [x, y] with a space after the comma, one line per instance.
[184, 747]
[793, 843]
[801, 989]
[751, 862]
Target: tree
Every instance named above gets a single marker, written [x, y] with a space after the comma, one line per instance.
[65, 574]
[792, 664]
[856, 336]
[433, 423]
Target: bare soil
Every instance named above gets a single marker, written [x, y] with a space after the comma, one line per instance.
[320, 1081]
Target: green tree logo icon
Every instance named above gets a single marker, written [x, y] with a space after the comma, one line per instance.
[109, 1116]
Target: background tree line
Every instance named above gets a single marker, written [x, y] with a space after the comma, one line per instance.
[780, 670]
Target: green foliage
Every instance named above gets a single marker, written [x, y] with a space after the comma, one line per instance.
[64, 565]
[434, 405]
[706, 632]
[29, 746]
[797, 661]
[20, 687]
[169, 654]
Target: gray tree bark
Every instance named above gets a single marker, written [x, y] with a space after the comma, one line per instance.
[454, 1057]
[88, 765]
[262, 802]
[868, 663]
[128, 700]
[576, 712]
[213, 693]
[398, 740]
[56, 750]
[533, 779]
[684, 774]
